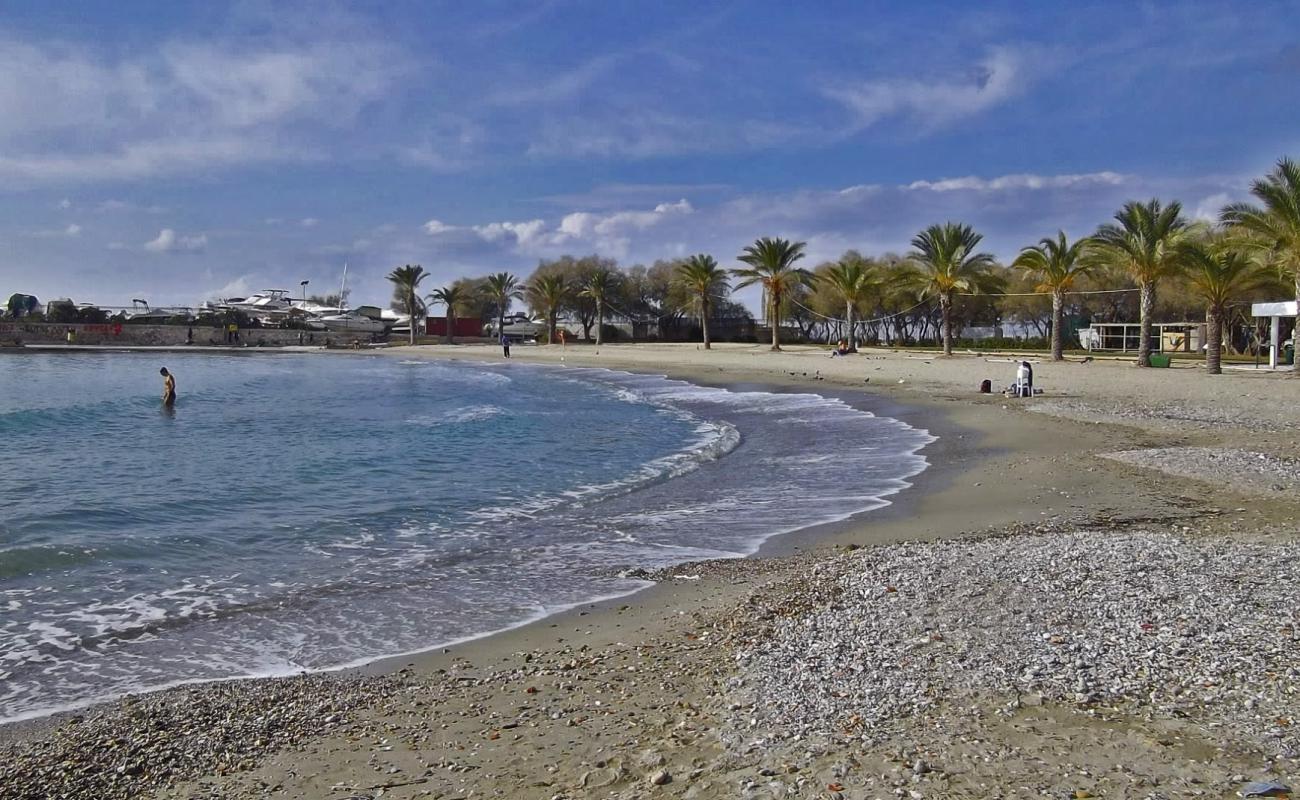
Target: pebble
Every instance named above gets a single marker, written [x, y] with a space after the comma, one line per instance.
[1185, 625]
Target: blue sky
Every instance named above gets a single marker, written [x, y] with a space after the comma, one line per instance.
[182, 151]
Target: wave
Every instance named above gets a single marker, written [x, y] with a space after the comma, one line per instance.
[458, 416]
[753, 465]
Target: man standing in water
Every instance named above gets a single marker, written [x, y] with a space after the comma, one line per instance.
[169, 387]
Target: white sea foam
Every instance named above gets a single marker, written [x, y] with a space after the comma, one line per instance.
[458, 416]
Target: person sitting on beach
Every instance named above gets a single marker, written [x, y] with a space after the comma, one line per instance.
[841, 349]
[169, 387]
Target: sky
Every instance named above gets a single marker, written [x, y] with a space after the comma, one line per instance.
[185, 151]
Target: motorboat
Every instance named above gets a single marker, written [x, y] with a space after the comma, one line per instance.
[349, 322]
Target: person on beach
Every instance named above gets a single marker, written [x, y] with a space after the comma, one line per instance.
[189, 335]
[505, 345]
[169, 387]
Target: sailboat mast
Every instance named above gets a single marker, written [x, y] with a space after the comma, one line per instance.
[343, 289]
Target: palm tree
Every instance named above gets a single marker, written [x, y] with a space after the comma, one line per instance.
[1219, 274]
[852, 280]
[703, 278]
[948, 263]
[1057, 265]
[600, 284]
[1274, 227]
[453, 297]
[771, 265]
[406, 284]
[1143, 244]
[502, 287]
[548, 293]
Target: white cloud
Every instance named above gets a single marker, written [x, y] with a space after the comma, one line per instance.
[309, 222]
[995, 79]
[69, 231]
[434, 227]
[583, 224]
[74, 112]
[147, 158]
[239, 287]
[168, 242]
[65, 204]
[523, 233]
[1018, 182]
[1208, 209]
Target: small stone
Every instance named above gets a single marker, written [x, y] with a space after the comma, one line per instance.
[660, 777]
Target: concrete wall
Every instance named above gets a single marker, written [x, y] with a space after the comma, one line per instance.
[157, 335]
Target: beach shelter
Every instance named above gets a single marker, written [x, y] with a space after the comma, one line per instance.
[1275, 312]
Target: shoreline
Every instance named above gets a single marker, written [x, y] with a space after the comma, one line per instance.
[998, 471]
[772, 545]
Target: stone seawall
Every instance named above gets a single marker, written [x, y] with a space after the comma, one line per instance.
[160, 335]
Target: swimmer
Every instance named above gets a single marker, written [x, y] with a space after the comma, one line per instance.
[169, 387]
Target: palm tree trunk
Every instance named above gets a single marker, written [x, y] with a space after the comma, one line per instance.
[501, 318]
[853, 335]
[945, 308]
[776, 320]
[600, 321]
[704, 318]
[1058, 303]
[1214, 347]
[550, 327]
[1148, 306]
[410, 310]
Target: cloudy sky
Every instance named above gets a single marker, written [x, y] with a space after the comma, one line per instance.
[181, 151]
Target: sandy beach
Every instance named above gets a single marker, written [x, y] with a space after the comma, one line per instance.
[1087, 594]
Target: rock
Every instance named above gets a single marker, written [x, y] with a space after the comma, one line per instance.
[660, 777]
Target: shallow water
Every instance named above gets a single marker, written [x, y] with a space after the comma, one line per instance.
[306, 511]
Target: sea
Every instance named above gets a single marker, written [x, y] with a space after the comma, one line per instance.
[298, 512]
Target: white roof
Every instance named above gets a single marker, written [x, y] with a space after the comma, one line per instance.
[1286, 308]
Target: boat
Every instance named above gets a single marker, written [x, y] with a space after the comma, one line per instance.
[349, 322]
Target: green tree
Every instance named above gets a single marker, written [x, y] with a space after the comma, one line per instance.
[852, 280]
[548, 293]
[406, 285]
[600, 284]
[772, 265]
[1273, 227]
[502, 287]
[1057, 265]
[1219, 273]
[453, 297]
[948, 263]
[704, 279]
[1141, 241]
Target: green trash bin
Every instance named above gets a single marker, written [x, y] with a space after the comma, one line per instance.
[1288, 354]
[1159, 360]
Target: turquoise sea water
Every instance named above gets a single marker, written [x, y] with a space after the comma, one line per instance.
[312, 511]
